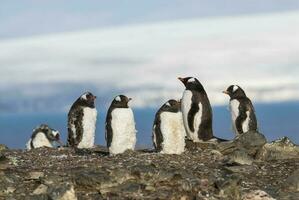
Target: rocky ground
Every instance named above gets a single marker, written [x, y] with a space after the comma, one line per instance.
[247, 168]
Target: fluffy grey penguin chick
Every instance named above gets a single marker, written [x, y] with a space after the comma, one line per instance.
[168, 129]
[43, 136]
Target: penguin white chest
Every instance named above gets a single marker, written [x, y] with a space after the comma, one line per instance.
[186, 107]
[234, 109]
[173, 131]
[40, 140]
[123, 129]
[89, 126]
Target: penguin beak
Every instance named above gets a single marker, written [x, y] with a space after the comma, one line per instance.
[181, 79]
[225, 92]
[129, 99]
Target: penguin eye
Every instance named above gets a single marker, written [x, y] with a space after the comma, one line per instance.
[167, 104]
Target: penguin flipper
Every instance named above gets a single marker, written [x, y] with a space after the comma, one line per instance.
[108, 130]
[191, 115]
[241, 118]
[253, 121]
[157, 134]
[75, 128]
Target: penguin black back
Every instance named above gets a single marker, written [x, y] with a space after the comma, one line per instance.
[79, 118]
[242, 110]
[121, 101]
[170, 106]
[197, 110]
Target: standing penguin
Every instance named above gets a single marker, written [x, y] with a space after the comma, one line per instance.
[43, 136]
[197, 111]
[242, 110]
[168, 129]
[120, 126]
[82, 119]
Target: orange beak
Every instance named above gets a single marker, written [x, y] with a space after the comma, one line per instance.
[225, 92]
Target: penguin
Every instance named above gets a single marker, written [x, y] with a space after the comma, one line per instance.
[82, 119]
[120, 126]
[43, 136]
[242, 111]
[168, 129]
[196, 110]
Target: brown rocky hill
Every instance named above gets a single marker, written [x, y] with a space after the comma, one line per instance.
[247, 168]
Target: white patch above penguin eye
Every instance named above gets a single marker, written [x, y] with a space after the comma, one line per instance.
[235, 88]
[191, 80]
[117, 98]
[167, 104]
[55, 133]
[84, 96]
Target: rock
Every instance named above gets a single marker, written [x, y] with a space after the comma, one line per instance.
[13, 160]
[203, 174]
[249, 142]
[239, 157]
[35, 197]
[283, 148]
[35, 175]
[93, 180]
[257, 195]
[198, 146]
[63, 191]
[8, 190]
[228, 186]
[292, 182]
[3, 147]
[41, 189]
[288, 196]
[4, 162]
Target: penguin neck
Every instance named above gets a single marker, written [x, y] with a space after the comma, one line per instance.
[238, 97]
[83, 105]
[171, 109]
[197, 89]
[113, 106]
[195, 86]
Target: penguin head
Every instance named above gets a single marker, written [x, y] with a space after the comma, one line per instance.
[171, 106]
[51, 134]
[121, 101]
[87, 100]
[235, 91]
[192, 83]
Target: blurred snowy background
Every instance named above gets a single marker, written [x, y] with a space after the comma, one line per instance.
[51, 51]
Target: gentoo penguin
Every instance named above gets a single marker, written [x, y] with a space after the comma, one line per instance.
[120, 126]
[242, 110]
[168, 129]
[197, 111]
[43, 136]
[82, 119]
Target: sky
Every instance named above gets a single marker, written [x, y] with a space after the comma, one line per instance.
[52, 51]
[34, 17]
